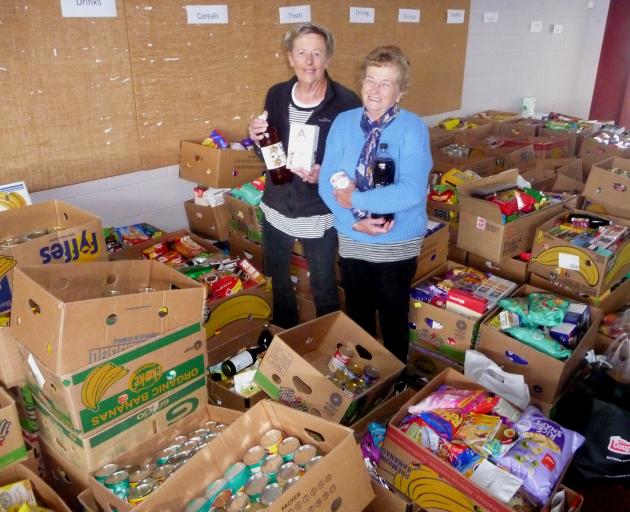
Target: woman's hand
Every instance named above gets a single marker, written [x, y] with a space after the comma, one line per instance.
[257, 126]
[372, 226]
[344, 195]
[309, 176]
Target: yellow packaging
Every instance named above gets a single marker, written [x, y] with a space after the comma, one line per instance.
[33, 508]
[455, 177]
[15, 495]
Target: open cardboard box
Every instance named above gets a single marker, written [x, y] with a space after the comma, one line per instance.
[76, 236]
[497, 116]
[424, 364]
[390, 500]
[556, 146]
[593, 152]
[546, 172]
[295, 368]
[475, 127]
[211, 221]
[606, 192]
[243, 247]
[338, 482]
[517, 128]
[246, 218]
[88, 502]
[12, 447]
[382, 412]
[585, 271]
[217, 168]
[44, 494]
[481, 227]
[434, 251]
[514, 269]
[146, 451]
[90, 451]
[546, 376]
[11, 363]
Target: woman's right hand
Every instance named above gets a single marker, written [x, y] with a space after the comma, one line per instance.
[372, 226]
[257, 126]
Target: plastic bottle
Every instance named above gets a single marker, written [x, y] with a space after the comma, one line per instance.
[383, 174]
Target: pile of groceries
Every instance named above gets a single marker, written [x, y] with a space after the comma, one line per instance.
[348, 375]
[443, 188]
[613, 136]
[563, 123]
[515, 202]
[464, 290]
[135, 482]
[549, 323]
[262, 474]
[456, 124]
[116, 239]
[19, 497]
[591, 232]
[217, 140]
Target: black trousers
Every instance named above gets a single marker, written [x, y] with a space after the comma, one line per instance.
[382, 287]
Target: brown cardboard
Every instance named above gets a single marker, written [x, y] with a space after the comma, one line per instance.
[245, 217]
[596, 274]
[300, 276]
[207, 220]
[88, 502]
[476, 127]
[498, 116]
[608, 302]
[433, 252]
[12, 447]
[404, 462]
[217, 168]
[388, 500]
[11, 364]
[382, 412]
[147, 450]
[456, 254]
[295, 367]
[593, 152]
[520, 128]
[545, 173]
[46, 497]
[88, 452]
[306, 308]
[78, 237]
[544, 147]
[575, 137]
[513, 269]
[481, 228]
[545, 375]
[607, 192]
[243, 247]
[483, 167]
[326, 483]
[573, 500]
[424, 364]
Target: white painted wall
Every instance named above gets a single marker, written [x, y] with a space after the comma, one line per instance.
[504, 63]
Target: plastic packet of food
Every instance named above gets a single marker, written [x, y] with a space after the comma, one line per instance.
[477, 429]
[540, 341]
[500, 483]
[518, 306]
[502, 441]
[546, 309]
[448, 397]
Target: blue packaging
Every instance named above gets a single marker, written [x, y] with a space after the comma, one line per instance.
[565, 333]
[578, 314]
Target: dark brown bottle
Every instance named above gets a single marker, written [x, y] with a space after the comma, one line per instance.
[275, 157]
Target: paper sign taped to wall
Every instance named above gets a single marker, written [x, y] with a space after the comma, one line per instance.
[87, 9]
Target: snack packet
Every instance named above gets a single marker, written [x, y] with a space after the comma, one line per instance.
[540, 341]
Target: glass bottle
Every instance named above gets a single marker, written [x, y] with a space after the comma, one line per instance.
[274, 155]
[383, 174]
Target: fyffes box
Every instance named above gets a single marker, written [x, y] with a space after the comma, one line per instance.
[12, 447]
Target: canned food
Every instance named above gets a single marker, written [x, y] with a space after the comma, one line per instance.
[354, 371]
[312, 462]
[254, 457]
[270, 494]
[140, 493]
[340, 358]
[150, 481]
[161, 473]
[197, 505]
[255, 485]
[213, 490]
[304, 453]
[10, 242]
[287, 448]
[164, 456]
[180, 439]
[36, 234]
[210, 425]
[222, 499]
[370, 375]
[200, 432]
[105, 472]
[140, 473]
[118, 483]
[287, 471]
[236, 476]
[238, 502]
[339, 180]
[129, 468]
[351, 388]
[220, 427]
[271, 466]
[290, 482]
[271, 440]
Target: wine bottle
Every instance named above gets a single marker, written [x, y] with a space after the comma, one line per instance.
[274, 155]
[264, 339]
[240, 361]
[383, 175]
[593, 221]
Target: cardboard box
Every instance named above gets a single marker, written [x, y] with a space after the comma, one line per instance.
[424, 364]
[295, 367]
[513, 269]
[325, 485]
[245, 217]
[586, 271]
[217, 168]
[388, 500]
[545, 173]
[67, 317]
[306, 308]
[243, 247]
[87, 501]
[575, 137]
[498, 115]
[607, 192]
[97, 395]
[300, 276]
[434, 251]
[90, 451]
[12, 447]
[46, 497]
[475, 128]
[592, 152]
[544, 147]
[545, 375]
[77, 237]
[456, 254]
[207, 220]
[147, 450]
[481, 228]
[11, 364]
[517, 128]
[382, 412]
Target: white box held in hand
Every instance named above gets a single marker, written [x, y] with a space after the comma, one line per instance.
[303, 140]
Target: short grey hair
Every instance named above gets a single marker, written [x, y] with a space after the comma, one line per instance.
[389, 56]
[309, 28]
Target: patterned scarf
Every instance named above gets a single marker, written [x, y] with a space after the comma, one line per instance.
[363, 174]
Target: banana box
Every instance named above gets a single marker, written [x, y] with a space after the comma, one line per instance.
[295, 368]
[88, 452]
[390, 500]
[545, 376]
[585, 271]
[11, 364]
[12, 447]
[210, 221]
[246, 218]
[607, 188]
[43, 234]
[44, 494]
[96, 396]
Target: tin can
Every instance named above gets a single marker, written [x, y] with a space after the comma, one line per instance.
[164, 456]
[161, 473]
[353, 370]
[236, 475]
[287, 448]
[290, 482]
[197, 505]
[304, 453]
[339, 180]
[138, 494]
[255, 485]
[271, 440]
[200, 432]
[312, 462]
[254, 457]
[140, 473]
[213, 490]
[105, 472]
[340, 358]
[238, 502]
[288, 471]
[150, 481]
[180, 439]
[210, 425]
[271, 466]
[221, 500]
[118, 483]
[270, 494]
[10, 242]
[370, 375]
[36, 234]
[220, 427]
[182, 456]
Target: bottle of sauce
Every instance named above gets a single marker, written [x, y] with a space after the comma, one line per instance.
[274, 155]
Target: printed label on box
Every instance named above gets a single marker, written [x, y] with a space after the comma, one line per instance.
[569, 261]
[481, 223]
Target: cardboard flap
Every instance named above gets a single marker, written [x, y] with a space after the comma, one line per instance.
[46, 497]
[610, 190]
[490, 184]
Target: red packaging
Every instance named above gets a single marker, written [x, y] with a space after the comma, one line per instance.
[155, 250]
[466, 303]
[225, 286]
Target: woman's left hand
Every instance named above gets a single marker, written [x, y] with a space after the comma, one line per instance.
[371, 226]
[344, 195]
[309, 176]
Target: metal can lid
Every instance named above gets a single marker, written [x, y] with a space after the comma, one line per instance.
[371, 372]
[290, 482]
[270, 494]
[288, 445]
[287, 471]
[304, 453]
[140, 473]
[256, 483]
[233, 470]
[345, 351]
[180, 439]
[131, 468]
[117, 477]
[105, 471]
[150, 481]
[254, 455]
[238, 502]
[271, 438]
[272, 463]
[140, 491]
[312, 462]
[163, 472]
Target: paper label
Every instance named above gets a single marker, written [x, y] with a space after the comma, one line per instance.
[361, 14]
[88, 8]
[206, 14]
[569, 261]
[274, 155]
[409, 15]
[481, 223]
[295, 14]
[491, 17]
[455, 16]
[39, 377]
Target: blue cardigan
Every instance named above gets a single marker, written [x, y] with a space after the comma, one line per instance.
[408, 143]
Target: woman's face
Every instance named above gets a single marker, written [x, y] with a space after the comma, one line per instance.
[309, 58]
[381, 89]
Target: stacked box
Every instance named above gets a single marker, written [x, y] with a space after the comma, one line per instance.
[12, 447]
[43, 493]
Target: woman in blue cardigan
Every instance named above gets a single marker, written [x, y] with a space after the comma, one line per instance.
[378, 255]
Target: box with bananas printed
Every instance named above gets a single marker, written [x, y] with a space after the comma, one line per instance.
[588, 252]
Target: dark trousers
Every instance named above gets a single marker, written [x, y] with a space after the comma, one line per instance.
[320, 254]
[382, 287]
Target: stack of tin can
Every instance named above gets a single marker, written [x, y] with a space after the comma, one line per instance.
[265, 472]
[136, 482]
[348, 375]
